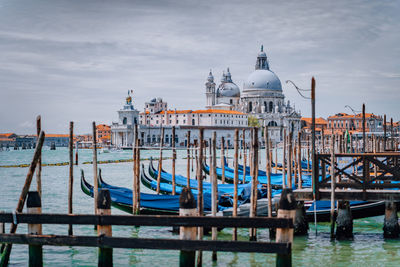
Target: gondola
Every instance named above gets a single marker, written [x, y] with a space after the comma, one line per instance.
[182, 181]
[121, 198]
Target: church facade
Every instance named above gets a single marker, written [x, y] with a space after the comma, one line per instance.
[261, 97]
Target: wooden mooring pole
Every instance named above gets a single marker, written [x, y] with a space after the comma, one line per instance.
[268, 170]
[244, 157]
[287, 205]
[173, 161]
[187, 207]
[38, 150]
[214, 184]
[284, 160]
[200, 201]
[105, 256]
[222, 155]
[254, 181]
[160, 161]
[34, 206]
[71, 173]
[188, 159]
[95, 181]
[39, 164]
[235, 181]
[333, 186]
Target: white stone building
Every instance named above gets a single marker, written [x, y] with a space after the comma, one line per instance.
[261, 97]
[122, 135]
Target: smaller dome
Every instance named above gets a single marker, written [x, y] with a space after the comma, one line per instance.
[228, 89]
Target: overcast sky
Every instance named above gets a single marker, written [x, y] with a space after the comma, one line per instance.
[76, 60]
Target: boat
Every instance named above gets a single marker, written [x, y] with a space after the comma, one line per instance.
[182, 181]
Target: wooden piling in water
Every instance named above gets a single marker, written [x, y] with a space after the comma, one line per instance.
[76, 153]
[235, 181]
[290, 161]
[173, 160]
[244, 157]
[71, 172]
[391, 227]
[299, 168]
[333, 186]
[160, 161]
[344, 221]
[200, 201]
[21, 201]
[214, 183]
[95, 181]
[223, 159]
[287, 205]
[188, 159]
[284, 160]
[105, 256]
[187, 207]
[268, 170]
[34, 206]
[136, 173]
[254, 181]
[39, 164]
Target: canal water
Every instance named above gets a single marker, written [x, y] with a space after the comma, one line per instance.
[368, 248]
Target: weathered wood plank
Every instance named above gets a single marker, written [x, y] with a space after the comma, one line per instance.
[356, 194]
[147, 243]
[149, 220]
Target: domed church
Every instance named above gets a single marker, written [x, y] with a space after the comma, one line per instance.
[261, 97]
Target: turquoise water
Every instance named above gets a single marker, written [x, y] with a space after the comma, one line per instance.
[368, 247]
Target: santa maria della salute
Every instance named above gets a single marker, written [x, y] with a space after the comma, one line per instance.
[227, 108]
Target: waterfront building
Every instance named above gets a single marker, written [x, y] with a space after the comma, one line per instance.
[341, 122]
[320, 125]
[122, 131]
[7, 139]
[261, 97]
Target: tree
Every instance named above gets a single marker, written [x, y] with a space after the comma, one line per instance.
[253, 122]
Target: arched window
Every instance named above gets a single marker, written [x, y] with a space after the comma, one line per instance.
[154, 138]
[148, 138]
[265, 106]
[125, 120]
[193, 121]
[135, 121]
[271, 106]
[250, 106]
[272, 123]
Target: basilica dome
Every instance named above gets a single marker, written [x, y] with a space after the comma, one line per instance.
[263, 79]
[228, 90]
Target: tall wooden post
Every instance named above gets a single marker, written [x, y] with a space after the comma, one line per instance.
[39, 164]
[222, 159]
[160, 161]
[137, 201]
[391, 135]
[105, 256]
[135, 172]
[187, 207]
[299, 168]
[95, 181]
[384, 132]
[268, 170]
[200, 201]
[38, 150]
[173, 160]
[71, 172]
[254, 181]
[363, 127]
[214, 192]
[290, 161]
[244, 157]
[284, 160]
[34, 206]
[76, 153]
[235, 181]
[314, 158]
[287, 206]
[333, 186]
[323, 139]
[188, 159]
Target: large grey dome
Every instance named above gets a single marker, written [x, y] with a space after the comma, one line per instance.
[228, 89]
[263, 79]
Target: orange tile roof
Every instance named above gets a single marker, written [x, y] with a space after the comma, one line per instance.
[317, 120]
[220, 111]
[347, 116]
[103, 127]
[6, 134]
[185, 111]
[57, 135]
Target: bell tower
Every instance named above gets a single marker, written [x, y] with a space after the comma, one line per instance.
[210, 91]
[262, 61]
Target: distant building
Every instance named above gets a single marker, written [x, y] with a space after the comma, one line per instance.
[341, 122]
[60, 140]
[262, 97]
[320, 125]
[7, 139]
[122, 131]
[103, 132]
